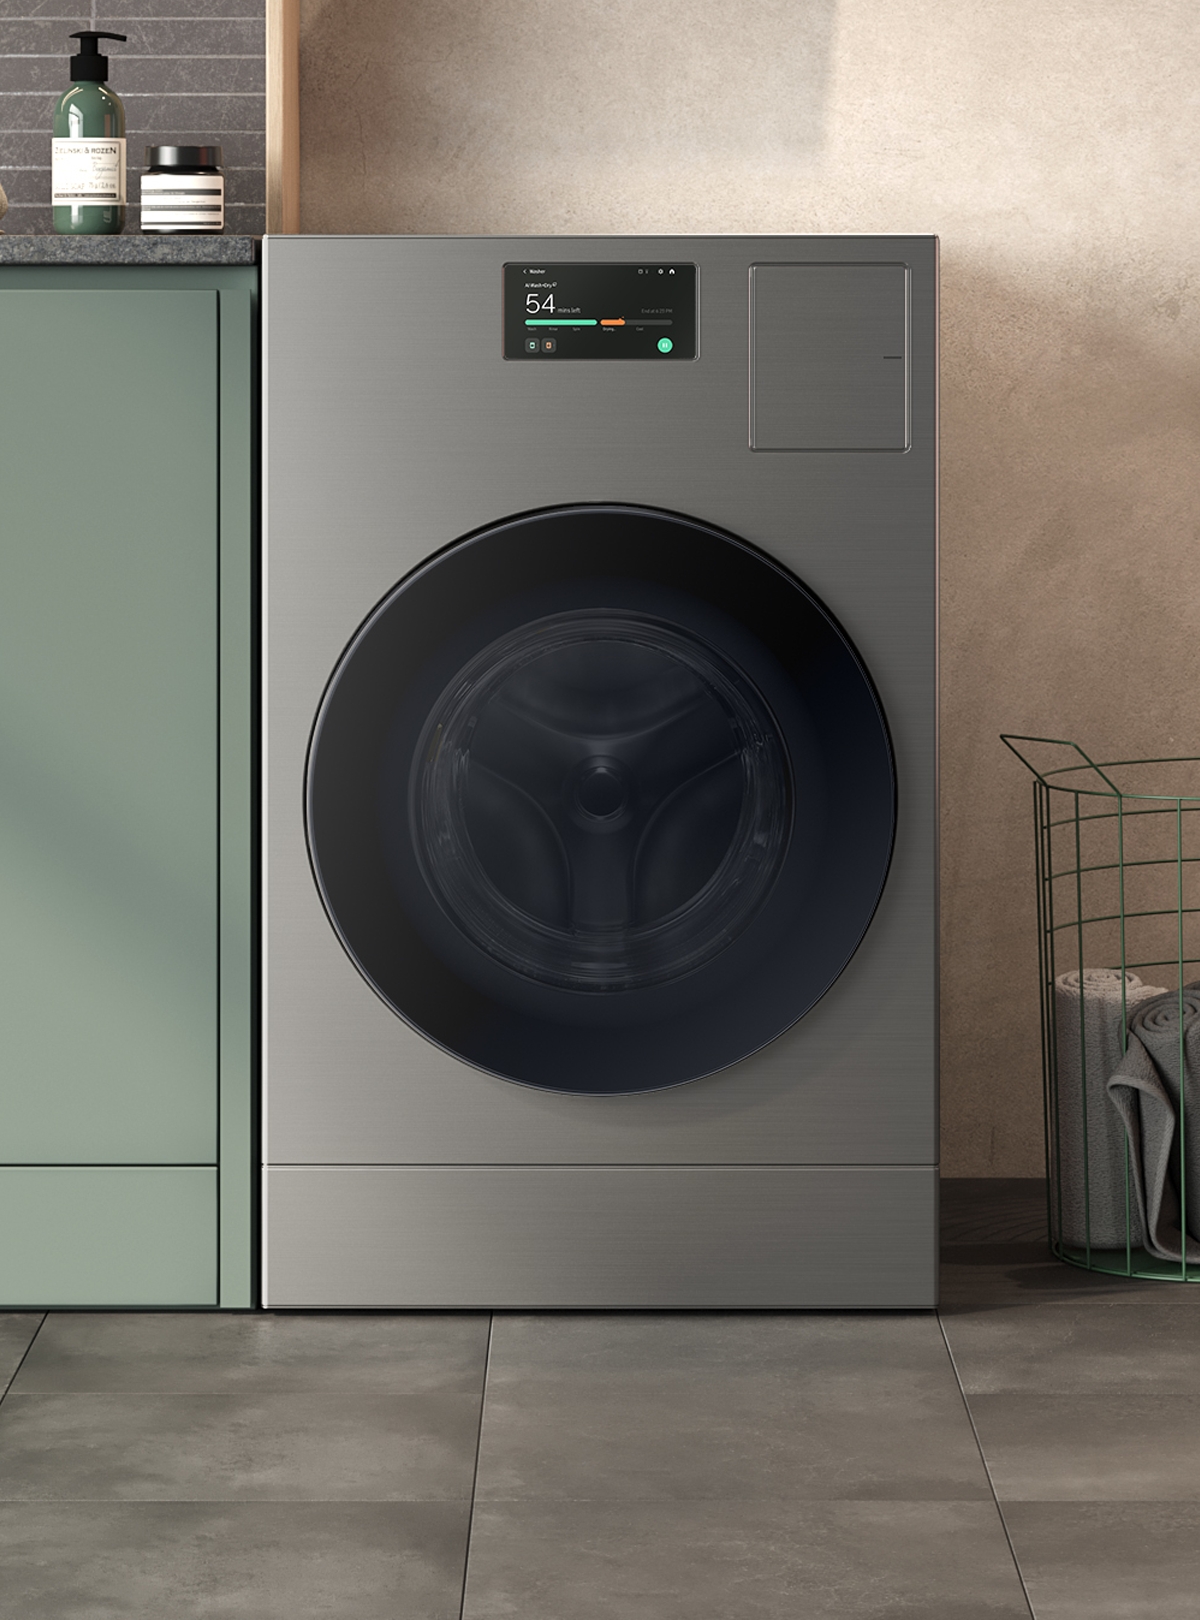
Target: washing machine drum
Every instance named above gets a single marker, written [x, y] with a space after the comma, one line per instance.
[600, 799]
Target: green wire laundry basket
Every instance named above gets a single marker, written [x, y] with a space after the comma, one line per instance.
[1118, 905]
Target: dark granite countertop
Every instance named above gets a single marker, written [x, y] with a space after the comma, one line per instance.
[131, 249]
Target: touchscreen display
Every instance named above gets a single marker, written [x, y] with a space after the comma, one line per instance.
[600, 312]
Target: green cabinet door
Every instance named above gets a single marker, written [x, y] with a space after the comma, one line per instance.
[126, 531]
[108, 727]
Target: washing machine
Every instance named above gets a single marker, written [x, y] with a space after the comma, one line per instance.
[599, 863]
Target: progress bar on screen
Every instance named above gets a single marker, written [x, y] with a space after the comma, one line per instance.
[632, 321]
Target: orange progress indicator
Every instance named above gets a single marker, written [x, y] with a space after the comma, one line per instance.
[612, 323]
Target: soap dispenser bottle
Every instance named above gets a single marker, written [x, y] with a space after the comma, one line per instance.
[88, 149]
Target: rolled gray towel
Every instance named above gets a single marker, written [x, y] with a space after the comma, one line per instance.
[1145, 1089]
[1089, 1027]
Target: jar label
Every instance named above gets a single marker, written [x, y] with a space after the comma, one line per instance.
[87, 172]
[175, 201]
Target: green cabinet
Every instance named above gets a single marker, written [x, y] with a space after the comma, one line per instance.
[126, 548]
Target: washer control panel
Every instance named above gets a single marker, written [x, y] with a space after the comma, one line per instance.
[600, 312]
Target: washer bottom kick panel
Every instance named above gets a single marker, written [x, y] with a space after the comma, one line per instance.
[577, 1237]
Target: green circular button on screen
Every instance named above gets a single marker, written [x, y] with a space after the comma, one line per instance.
[665, 345]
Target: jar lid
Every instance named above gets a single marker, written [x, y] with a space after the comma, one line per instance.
[183, 157]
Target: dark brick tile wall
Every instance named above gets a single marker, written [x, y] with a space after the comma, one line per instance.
[192, 72]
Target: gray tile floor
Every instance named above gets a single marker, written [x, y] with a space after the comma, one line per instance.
[1032, 1449]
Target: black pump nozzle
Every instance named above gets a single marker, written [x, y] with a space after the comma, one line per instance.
[89, 64]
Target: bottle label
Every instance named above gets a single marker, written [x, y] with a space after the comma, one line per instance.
[87, 172]
[183, 202]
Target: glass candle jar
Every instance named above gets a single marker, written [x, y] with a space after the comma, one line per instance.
[183, 190]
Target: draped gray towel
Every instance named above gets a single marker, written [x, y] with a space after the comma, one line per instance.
[1145, 1088]
[1089, 1050]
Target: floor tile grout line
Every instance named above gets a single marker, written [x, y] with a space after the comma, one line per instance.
[21, 1363]
[487, 1367]
[987, 1471]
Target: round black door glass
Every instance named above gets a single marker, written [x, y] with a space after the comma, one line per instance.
[600, 799]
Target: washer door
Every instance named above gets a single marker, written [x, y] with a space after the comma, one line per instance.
[600, 799]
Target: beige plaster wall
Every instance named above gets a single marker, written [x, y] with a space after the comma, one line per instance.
[1055, 147]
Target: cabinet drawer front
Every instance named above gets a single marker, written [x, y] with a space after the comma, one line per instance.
[112, 1236]
[109, 726]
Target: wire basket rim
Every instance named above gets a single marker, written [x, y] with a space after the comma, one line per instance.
[1099, 767]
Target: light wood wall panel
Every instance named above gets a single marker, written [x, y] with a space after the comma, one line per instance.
[283, 116]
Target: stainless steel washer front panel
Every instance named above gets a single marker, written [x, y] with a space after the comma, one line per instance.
[619, 1238]
[393, 428]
